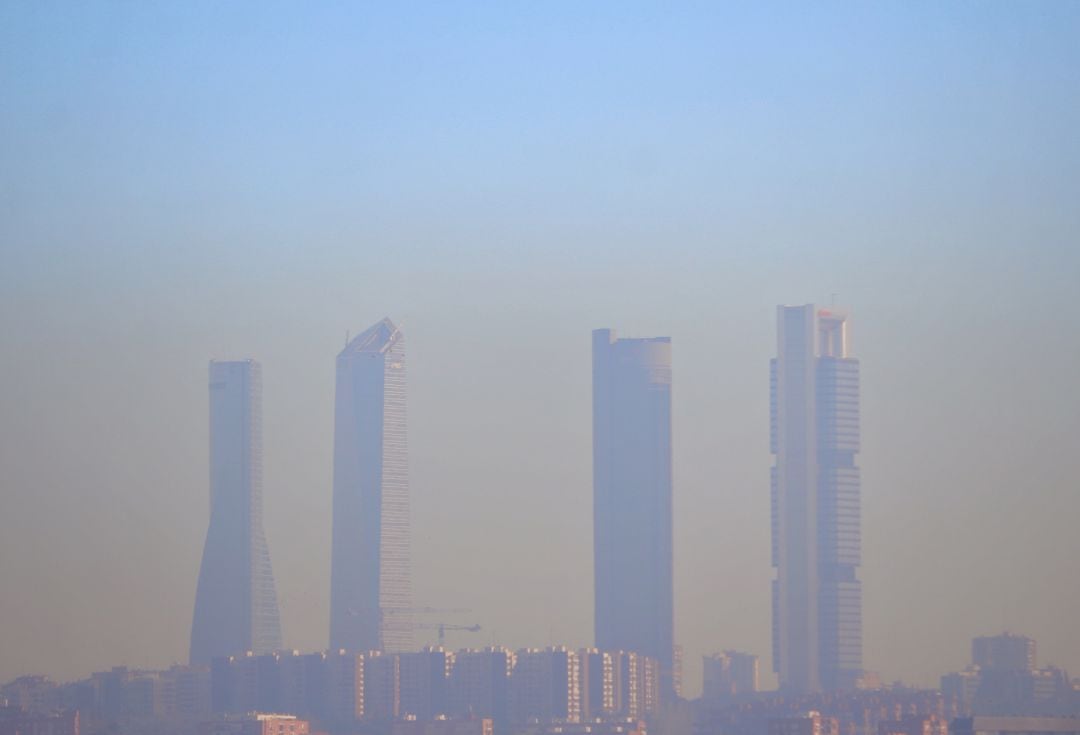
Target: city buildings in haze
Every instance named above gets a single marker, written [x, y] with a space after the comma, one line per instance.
[424, 678]
[381, 691]
[545, 685]
[370, 581]
[257, 724]
[1003, 680]
[1003, 652]
[480, 683]
[510, 688]
[812, 723]
[1016, 726]
[17, 721]
[452, 726]
[632, 497]
[236, 607]
[816, 544]
[727, 674]
[918, 724]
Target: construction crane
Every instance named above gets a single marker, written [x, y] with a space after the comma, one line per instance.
[424, 610]
[421, 610]
[443, 627]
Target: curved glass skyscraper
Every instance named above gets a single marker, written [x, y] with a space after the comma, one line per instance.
[236, 608]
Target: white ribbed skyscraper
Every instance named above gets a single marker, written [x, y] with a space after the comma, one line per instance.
[817, 596]
[370, 576]
[236, 608]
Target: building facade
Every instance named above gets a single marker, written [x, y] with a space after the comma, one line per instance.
[1003, 681]
[729, 674]
[480, 683]
[425, 682]
[632, 497]
[510, 691]
[462, 726]
[1016, 726]
[17, 721]
[257, 724]
[382, 686]
[1005, 652]
[597, 680]
[921, 724]
[816, 549]
[544, 686]
[370, 577]
[236, 608]
[812, 723]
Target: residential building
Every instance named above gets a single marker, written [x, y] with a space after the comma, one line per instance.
[425, 682]
[637, 684]
[382, 686]
[18, 721]
[920, 724]
[1003, 681]
[959, 689]
[344, 679]
[1006, 652]
[445, 726]
[257, 724]
[728, 674]
[812, 723]
[597, 680]
[544, 686]
[1016, 726]
[480, 683]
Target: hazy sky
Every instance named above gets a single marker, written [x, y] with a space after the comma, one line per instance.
[181, 182]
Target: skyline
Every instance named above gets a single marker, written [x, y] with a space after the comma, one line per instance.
[385, 335]
[257, 180]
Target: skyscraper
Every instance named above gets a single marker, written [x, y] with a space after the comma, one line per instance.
[370, 583]
[817, 597]
[632, 490]
[236, 607]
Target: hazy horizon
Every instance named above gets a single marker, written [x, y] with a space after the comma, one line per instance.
[193, 183]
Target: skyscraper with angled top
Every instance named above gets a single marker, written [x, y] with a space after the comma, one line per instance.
[816, 543]
[236, 608]
[370, 580]
[632, 495]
